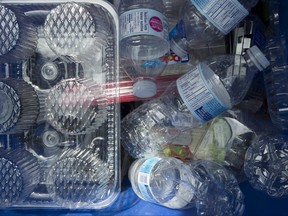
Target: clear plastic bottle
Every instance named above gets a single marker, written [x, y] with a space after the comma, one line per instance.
[143, 29]
[266, 164]
[276, 78]
[198, 96]
[144, 73]
[173, 10]
[216, 189]
[206, 21]
[162, 180]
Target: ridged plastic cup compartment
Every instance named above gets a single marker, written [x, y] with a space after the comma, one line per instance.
[73, 135]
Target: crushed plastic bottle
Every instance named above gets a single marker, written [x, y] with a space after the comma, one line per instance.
[266, 164]
[216, 189]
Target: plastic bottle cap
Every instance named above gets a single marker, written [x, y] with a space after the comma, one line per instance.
[258, 58]
[144, 88]
[177, 49]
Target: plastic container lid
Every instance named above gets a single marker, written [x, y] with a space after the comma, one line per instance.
[258, 58]
[144, 88]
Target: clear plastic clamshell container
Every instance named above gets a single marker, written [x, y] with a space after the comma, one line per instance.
[59, 104]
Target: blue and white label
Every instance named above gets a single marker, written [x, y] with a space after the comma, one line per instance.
[143, 22]
[223, 14]
[199, 96]
[144, 177]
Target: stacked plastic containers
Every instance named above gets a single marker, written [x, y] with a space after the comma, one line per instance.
[59, 111]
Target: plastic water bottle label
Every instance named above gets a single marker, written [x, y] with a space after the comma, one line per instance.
[175, 59]
[143, 22]
[223, 14]
[198, 96]
[144, 177]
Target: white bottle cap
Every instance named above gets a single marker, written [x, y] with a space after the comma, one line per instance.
[258, 58]
[144, 88]
[177, 49]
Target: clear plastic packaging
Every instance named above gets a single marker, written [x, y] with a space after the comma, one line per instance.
[61, 101]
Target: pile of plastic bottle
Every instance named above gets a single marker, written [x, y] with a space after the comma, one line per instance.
[210, 130]
[209, 78]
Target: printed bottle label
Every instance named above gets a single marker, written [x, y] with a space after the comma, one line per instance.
[223, 14]
[143, 22]
[198, 95]
[170, 59]
[144, 177]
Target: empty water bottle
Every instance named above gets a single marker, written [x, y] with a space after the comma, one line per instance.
[266, 164]
[143, 29]
[162, 180]
[276, 78]
[206, 21]
[216, 189]
[198, 96]
[144, 73]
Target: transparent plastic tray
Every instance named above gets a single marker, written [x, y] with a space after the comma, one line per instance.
[59, 104]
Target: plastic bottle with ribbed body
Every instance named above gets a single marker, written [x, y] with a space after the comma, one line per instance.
[206, 21]
[198, 96]
[276, 78]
